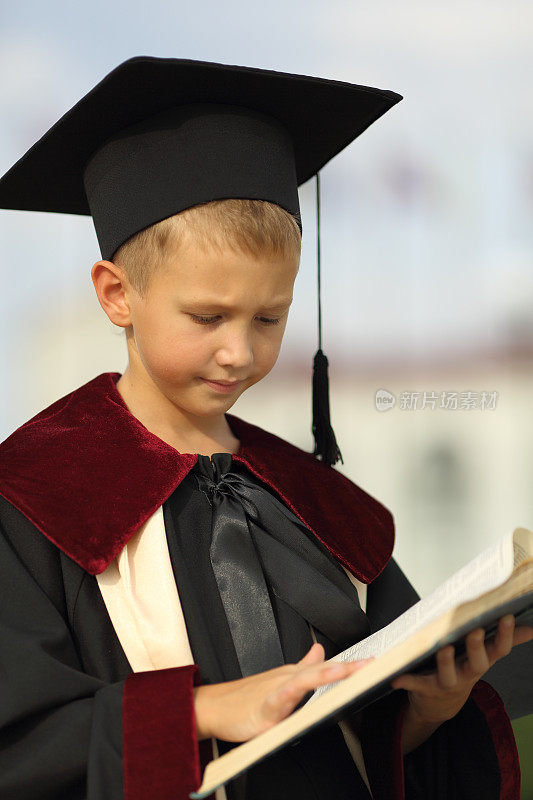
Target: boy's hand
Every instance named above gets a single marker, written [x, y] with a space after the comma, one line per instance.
[435, 698]
[235, 711]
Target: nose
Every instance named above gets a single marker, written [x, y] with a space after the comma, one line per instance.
[236, 350]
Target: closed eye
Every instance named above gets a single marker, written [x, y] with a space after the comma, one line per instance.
[210, 320]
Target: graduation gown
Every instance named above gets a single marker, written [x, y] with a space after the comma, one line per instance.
[77, 483]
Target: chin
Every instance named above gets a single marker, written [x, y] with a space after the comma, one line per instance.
[215, 409]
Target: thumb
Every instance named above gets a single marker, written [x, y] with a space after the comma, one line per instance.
[314, 655]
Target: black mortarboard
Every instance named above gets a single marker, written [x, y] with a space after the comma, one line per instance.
[159, 135]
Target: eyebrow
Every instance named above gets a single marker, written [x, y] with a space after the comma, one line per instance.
[213, 305]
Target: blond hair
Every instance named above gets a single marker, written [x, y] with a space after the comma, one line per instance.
[254, 227]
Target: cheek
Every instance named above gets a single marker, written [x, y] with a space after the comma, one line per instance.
[267, 349]
[170, 353]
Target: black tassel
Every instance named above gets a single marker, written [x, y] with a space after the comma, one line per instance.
[325, 442]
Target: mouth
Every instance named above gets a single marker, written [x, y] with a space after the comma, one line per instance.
[223, 386]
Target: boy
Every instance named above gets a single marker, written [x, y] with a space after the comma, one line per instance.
[189, 559]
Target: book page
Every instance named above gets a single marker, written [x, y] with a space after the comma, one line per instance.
[523, 546]
[489, 569]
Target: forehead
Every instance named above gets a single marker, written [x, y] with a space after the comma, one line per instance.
[219, 269]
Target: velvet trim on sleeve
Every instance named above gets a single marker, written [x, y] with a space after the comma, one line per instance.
[381, 743]
[472, 755]
[160, 746]
[489, 702]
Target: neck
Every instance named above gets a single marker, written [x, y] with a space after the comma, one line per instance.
[186, 433]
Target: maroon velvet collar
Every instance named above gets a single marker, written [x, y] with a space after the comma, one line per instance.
[88, 474]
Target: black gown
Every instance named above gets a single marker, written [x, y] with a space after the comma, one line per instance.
[305, 769]
[311, 767]
[64, 669]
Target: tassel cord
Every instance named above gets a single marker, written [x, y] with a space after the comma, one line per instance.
[325, 442]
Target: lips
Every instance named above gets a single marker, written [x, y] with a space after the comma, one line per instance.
[224, 387]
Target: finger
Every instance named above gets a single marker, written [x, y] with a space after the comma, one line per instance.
[280, 703]
[302, 682]
[477, 661]
[337, 670]
[291, 692]
[503, 642]
[446, 670]
[314, 655]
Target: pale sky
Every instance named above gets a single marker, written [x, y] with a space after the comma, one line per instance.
[427, 239]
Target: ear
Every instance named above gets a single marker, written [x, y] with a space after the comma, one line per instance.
[114, 292]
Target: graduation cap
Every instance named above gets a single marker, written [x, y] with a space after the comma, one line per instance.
[159, 135]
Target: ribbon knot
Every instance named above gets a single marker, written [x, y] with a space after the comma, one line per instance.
[216, 481]
[257, 543]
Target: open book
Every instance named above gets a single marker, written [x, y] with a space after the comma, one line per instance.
[497, 582]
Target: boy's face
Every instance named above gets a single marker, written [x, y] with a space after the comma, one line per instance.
[210, 316]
